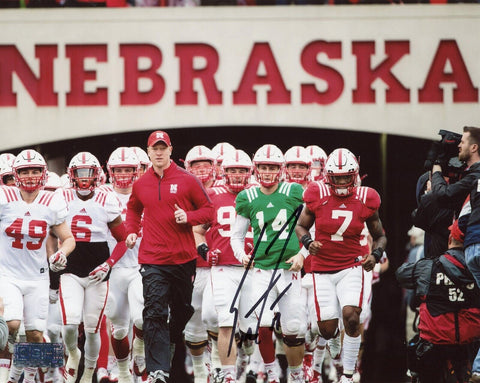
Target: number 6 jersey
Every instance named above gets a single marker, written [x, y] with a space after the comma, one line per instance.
[24, 227]
[339, 222]
[89, 220]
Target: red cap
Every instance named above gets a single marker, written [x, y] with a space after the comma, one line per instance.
[158, 136]
[455, 232]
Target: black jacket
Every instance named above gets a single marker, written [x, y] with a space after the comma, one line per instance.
[453, 196]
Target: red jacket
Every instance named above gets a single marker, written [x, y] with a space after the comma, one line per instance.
[164, 241]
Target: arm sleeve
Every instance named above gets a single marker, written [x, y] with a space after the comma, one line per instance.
[237, 239]
[452, 196]
[205, 211]
[134, 213]
[3, 333]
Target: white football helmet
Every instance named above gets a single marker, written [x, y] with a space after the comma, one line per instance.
[53, 181]
[236, 182]
[84, 172]
[144, 160]
[204, 172]
[219, 151]
[9, 158]
[6, 174]
[319, 157]
[65, 180]
[298, 155]
[123, 157]
[341, 171]
[26, 159]
[268, 155]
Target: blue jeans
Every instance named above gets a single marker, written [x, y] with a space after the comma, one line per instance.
[472, 257]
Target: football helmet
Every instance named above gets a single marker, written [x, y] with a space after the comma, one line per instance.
[203, 172]
[237, 159]
[53, 181]
[65, 180]
[268, 155]
[6, 174]
[30, 159]
[8, 158]
[123, 157]
[298, 155]
[319, 157]
[219, 152]
[84, 172]
[143, 158]
[341, 171]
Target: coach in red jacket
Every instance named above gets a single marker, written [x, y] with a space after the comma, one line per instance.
[171, 201]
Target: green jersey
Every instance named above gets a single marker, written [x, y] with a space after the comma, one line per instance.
[272, 210]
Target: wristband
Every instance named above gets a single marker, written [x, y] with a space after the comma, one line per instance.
[378, 254]
[306, 241]
[202, 250]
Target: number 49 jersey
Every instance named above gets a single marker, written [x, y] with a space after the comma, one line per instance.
[23, 229]
[339, 222]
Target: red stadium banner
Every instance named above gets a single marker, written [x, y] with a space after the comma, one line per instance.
[407, 70]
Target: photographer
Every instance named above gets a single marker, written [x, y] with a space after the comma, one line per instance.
[453, 194]
[449, 313]
[430, 215]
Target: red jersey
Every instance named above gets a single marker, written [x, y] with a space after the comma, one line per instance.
[165, 242]
[218, 236]
[339, 222]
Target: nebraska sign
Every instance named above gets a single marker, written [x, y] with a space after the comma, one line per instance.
[401, 70]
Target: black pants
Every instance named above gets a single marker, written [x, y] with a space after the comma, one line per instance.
[167, 291]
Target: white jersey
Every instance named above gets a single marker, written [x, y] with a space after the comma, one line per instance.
[130, 258]
[24, 227]
[88, 219]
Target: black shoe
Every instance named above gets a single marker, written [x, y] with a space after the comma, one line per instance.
[251, 377]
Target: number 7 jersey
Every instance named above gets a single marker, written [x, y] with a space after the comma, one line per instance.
[24, 227]
[339, 222]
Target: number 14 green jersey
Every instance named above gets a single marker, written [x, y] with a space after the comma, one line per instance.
[272, 210]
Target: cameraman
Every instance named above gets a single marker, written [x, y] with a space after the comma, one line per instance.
[453, 195]
[430, 215]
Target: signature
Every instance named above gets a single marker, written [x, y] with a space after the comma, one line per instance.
[273, 280]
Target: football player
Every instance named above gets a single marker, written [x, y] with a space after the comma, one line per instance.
[200, 161]
[143, 158]
[27, 214]
[6, 170]
[125, 299]
[226, 271]
[83, 292]
[319, 157]
[271, 209]
[339, 210]
[219, 151]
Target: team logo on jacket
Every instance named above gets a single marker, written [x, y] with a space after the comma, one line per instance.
[173, 189]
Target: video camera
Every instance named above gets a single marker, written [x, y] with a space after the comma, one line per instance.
[445, 152]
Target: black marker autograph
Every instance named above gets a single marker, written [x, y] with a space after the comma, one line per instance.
[274, 279]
